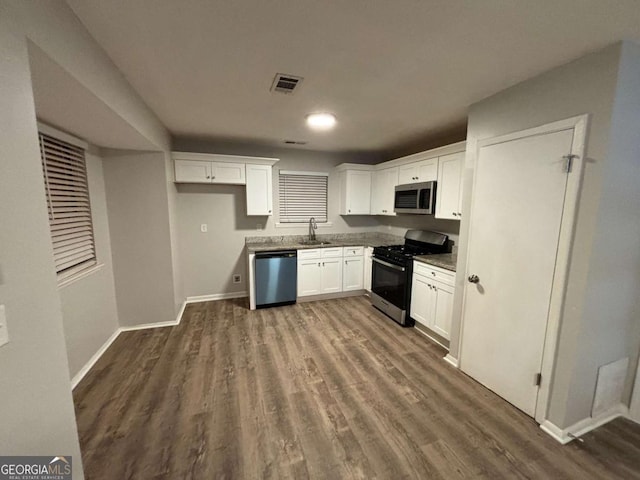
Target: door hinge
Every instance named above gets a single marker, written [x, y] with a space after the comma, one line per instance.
[537, 379]
[569, 158]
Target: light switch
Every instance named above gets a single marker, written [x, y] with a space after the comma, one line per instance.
[4, 333]
[203, 228]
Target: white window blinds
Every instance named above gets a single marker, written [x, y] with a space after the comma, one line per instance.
[65, 178]
[303, 195]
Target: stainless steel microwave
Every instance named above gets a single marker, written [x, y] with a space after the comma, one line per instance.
[415, 198]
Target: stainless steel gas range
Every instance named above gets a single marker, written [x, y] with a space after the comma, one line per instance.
[393, 268]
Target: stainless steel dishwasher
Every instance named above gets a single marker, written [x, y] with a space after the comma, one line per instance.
[276, 278]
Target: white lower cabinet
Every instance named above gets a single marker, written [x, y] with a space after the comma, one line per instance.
[309, 277]
[353, 278]
[432, 298]
[368, 267]
[330, 270]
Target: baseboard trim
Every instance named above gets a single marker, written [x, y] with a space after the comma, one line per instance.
[77, 378]
[451, 360]
[434, 337]
[216, 296]
[584, 426]
[96, 356]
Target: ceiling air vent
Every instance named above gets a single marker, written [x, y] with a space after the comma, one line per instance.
[285, 83]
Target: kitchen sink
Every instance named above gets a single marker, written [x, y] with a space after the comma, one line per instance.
[314, 242]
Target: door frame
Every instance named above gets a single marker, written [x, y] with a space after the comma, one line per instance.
[579, 126]
[634, 407]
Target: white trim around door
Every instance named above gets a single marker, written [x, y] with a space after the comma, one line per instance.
[579, 125]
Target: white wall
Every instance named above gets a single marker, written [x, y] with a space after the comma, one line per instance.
[89, 310]
[587, 85]
[37, 414]
[137, 205]
[612, 301]
[399, 224]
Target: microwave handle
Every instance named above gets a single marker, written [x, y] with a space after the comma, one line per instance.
[390, 265]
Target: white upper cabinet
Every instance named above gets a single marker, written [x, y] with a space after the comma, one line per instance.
[383, 191]
[230, 173]
[259, 190]
[214, 168]
[355, 192]
[449, 188]
[197, 171]
[188, 171]
[417, 172]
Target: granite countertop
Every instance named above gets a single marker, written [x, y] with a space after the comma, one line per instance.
[294, 242]
[442, 260]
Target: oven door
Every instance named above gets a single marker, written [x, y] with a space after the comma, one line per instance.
[390, 282]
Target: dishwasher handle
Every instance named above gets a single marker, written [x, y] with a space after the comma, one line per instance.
[279, 254]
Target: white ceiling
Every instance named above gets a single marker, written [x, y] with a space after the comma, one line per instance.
[393, 72]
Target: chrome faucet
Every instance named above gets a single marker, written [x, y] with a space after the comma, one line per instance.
[312, 229]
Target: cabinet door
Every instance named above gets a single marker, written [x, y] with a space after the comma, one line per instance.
[353, 274]
[232, 173]
[191, 171]
[389, 195]
[383, 191]
[443, 309]
[368, 267]
[309, 277]
[259, 190]
[448, 191]
[378, 181]
[358, 192]
[408, 173]
[428, 170]
[331, 275]
[421, 308]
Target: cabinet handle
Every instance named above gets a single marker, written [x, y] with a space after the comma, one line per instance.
[459, 214]
[455, 214]
[318, 263]
[269, 211]
[323, 264]
[349, 210]
[208, 176]
[433, 273]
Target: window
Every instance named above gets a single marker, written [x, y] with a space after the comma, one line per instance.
[67, 191]
[303, 195]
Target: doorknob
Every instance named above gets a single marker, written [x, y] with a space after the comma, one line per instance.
[474, 278]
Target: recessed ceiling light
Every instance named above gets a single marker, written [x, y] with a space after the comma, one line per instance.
[321, 121]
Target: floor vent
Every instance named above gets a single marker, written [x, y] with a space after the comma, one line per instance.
[285, 83]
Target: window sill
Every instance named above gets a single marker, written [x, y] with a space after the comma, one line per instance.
[302, 225]
[65, 282]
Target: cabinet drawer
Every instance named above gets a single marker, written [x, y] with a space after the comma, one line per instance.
[435, 273]
[309, 253]
[331, 252]
[353, 251]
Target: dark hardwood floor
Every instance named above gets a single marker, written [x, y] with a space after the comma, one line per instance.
[328, 389]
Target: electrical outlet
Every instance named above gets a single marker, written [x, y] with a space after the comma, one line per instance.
[4, 333]
[203, 228]
[237, 278]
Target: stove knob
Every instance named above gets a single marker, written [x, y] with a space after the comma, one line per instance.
[474, 278]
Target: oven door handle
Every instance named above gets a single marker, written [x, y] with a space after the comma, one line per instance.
[390, 265]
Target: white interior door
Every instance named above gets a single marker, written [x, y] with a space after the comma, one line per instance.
[517, 209]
